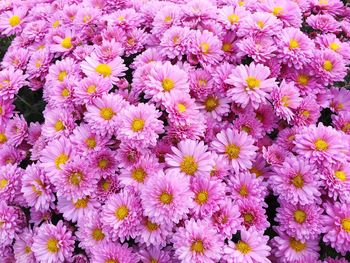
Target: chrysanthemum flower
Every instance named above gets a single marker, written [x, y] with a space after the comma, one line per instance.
[253, 215]
[11, 80]
[10, 182]
[106, 187]
[237, 147]
[121, 215]
[288, 249]
[63, 41]
[275, 154]
[296, 181]
[337, 226]
[324, 23]
[220, 167]
[111, 70]
[249, 124]
[321, 144]
[140, 125]
[215, 105]
[61, 70]
[10, 223]
[307, 113]
[174, 41]
[6, 110]
[16, 58]
[16, 130]
[330, 41]
[11, 22]
[339, 100]
[147, 254]
[36, 188]
[231, 17]
[250, 84]
[61, 93]
[166, 197]
[57, 124]
[53, 243]
[190, 157]
[252, 247]
[197, 242]
[260, 49]
[302, 222]
[104, 162]
[342, 122]
[113, 252]
[22, 247]
[101, 114]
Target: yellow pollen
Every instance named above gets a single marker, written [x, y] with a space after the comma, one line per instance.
[285, 101]
[181, 107]
[91, 89]
[211, 103]
[59, 125]
[36, 190]
[345, 223]
[334, 46]
[345, 128]
[97, 234]
[202, 197]
[102, 163]
[62, 75]
[107, 113]
[121, 18]
[153, 260]
[131, 41]
[246, 129]
[232, 151]
[175, 39]
[277, 11]
[81, 203]
[151, 226]
[233, 18]
[3, 183]
[205, 47]
[27, 250]
[0, 110]
[243, 191]
[166, 198]
[105, 185]
[168, 84]
[321, 145]
[188, 165]
[226, 47]
[299, 216]
[243, 247]
[306, 113]
[260, 24]
[327, 65]
[52, 245]
[104, 69]
[38, 63]
[197, 246]
[66, 43]
[65, 92]
[41, 47]
[122, 212]
[297, 245]
[111, 261]
[167, 19]
[139, 174]
[137, 125]
[56, 24]
[90, 142]
[61, 159]
[298, 181]
[252, 82]
[76, 178]
[3, 138]
[241, 3]
[202, 82]
[86, 18]
[341, 175]
[293, 43]
[323, 2]
[256, 171]
[248, 217]
[14, 21]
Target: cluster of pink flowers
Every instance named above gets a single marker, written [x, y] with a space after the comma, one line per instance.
[175, 131]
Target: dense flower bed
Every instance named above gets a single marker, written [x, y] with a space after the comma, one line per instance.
[179, 131]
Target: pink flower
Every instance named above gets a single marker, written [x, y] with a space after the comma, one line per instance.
[174, 41]
[11, 80]
[22, 247]
[113, 252]
[10, 182]
[251, 84]
[253, 215]
[231, 17]
[260, 49]
[11, 224]
[11, 22]
[325, 23]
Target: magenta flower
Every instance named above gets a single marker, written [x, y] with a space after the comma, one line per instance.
[113, 252]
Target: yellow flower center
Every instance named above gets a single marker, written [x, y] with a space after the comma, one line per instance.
[76, 178]
[168, 84]
[323, 2]
[166, 198]
[293, 43]
[297, 245]
[81, 203]
[62, 75]
[104, 69]
[56, 24]
[243, 247]
[151, 226]
[256, 171]
[285, 101]
[66, 43]
[91, 89]
[107, 113]
[105, 184]
[305, 113]
[205, 47]
[260, 24]
[246, 129]
[321, 145]
[345, 128]
[65, 92]
[298, 181]
[252, 82]
[334, 46]
[327, 65]
[341, 175]
[3, 183]
[226, 47]
[299, 216]
[241, 3]
[153, 260]
[36, 190]
[197, 246]
[233, 18]
[188, 165]
[122, 212]
[14, 21]
[201, 197]
[181, 107]
[97, 234]
[248, 217]
[111, 261]
[86, 18]
[102, 163]
[243, 191]
[139, 174]
[38, 63]
[59, 125]
[211, 103]
[52, 245]
[61, 159]
[3, 138]
[137, 124]
[27, 250]
[90, 142]
[167, 19]
[345, 223]
[232, 151]
[0, 110]
[277, 11]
